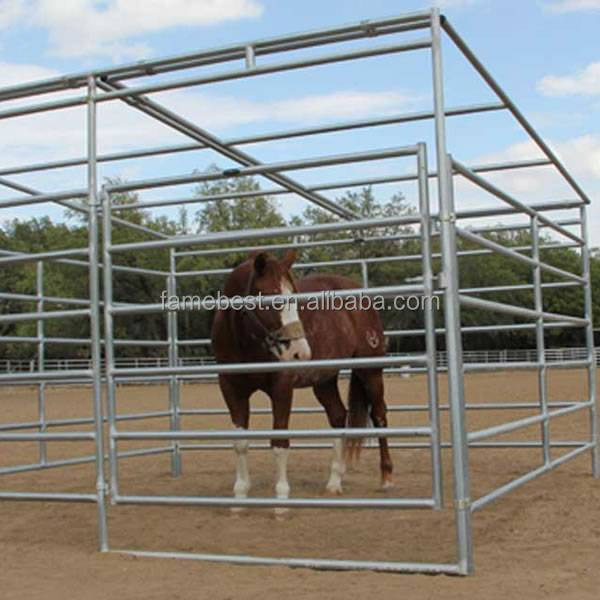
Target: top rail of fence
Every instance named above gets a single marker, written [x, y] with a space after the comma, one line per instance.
[352, 31]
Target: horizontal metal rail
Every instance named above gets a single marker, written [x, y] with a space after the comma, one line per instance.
[45, 315]
[519, 481]
[272, 367]
[40, 198]
[418, 44]
[306, 563]
[488, 432]
[229, 502]
[252, 302]
[353, 240]
[390, 408]
[65, 436]
[48, 299]
[84, 374]
[492, 189]
[394, 258]
[79, 460]
[266, 137]
[271, 434]
[500, 249]
[218, 77]
[277, 167]
[508, 445]
[82, 421]
[528, 365]
[10, 260]
[228, 237]
[144, 68]
[48, 497]
[274, 232]
[480, 328]
[519, 311]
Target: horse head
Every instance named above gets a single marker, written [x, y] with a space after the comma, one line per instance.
[276, 327]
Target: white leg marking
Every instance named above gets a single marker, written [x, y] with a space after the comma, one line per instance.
[242, 475]
[338, 468]
[282, 487]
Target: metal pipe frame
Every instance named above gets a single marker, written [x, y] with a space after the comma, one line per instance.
[500, 249]
[519, 311]
[492, 189]
[413, 257]
[272, 367]
[350, 241]
[265, 169]
[362, 29]
[241, 141]
[251, 301]
[80, 460]
[109, 81]
[518, 115]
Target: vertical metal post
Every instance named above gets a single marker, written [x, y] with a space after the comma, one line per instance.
[589, 340]
[173, 360]
[41, 351]
[109, 349]
[364, 270]
[94, 286]
[250, 57]
[450, 284]
[539, 341]
[429, 321]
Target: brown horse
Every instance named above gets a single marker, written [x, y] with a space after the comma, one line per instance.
[297, 333]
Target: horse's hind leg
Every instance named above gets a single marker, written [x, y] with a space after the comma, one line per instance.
[239, 408]
[372, 381]
[329, 396]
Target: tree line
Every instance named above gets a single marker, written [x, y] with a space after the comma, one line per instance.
[258, 211]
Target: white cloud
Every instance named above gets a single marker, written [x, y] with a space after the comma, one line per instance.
[565, 6]
[10, 11]
[14, 74]
[585, 82]
[229, 111]
[92, 28]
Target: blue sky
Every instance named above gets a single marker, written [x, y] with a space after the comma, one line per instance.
[545, 54]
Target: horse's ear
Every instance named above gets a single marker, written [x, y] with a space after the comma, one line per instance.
[260, 262]
[289, 259]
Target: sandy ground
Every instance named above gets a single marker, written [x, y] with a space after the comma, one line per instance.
[542, 541]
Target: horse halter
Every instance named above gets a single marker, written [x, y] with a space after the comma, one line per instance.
[273, 338]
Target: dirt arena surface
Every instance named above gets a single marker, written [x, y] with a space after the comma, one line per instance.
[542, 541]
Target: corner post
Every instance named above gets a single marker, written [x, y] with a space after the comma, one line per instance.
[450, 282]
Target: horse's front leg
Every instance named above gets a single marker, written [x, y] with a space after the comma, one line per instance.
[281, 400]
[328, 395]
[237, 400]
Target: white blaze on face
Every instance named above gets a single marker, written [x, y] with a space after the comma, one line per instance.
[298, 349]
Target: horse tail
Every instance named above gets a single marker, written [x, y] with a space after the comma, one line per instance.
[359, 406]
